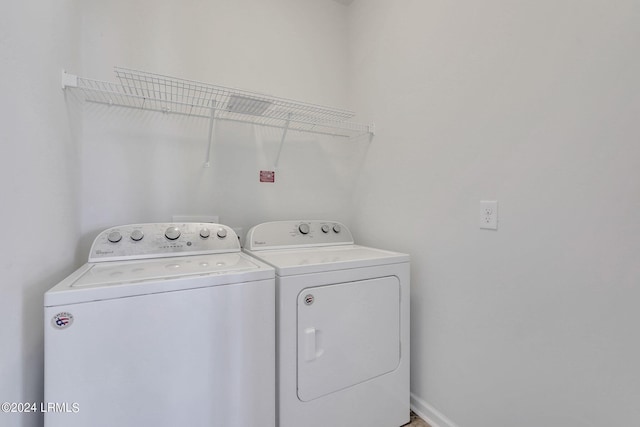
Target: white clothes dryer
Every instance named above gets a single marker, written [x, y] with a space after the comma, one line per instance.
[166, 325]
[342, 326]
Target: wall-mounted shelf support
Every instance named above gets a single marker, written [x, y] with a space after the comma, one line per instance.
[69, 80]
[284, 135]
[212, 129]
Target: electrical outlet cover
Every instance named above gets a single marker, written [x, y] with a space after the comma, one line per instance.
[489, 214]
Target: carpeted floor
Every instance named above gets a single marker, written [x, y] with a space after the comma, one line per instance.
[416, 421]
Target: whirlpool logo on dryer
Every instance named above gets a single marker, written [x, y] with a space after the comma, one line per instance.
[62, 320]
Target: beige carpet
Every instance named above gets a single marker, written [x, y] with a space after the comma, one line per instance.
[416, 421]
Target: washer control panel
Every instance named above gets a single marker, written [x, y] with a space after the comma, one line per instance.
[158, 240]
[302, 233]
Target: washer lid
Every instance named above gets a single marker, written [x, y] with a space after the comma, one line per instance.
[105, 274]
[106, 280]
[328, 258]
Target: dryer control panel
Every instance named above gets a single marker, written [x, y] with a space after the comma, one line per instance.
[302, 233]
[158, 240]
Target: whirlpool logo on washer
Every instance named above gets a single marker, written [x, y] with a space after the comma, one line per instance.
[62, 320]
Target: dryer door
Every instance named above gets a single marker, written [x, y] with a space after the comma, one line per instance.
[347, 334]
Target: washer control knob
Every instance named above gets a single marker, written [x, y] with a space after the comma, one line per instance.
[205, 233]
[137, 235]
[337, 228]
[303, 228]
[325, 228]
[114, 237]
[222, 233]
[172, 233]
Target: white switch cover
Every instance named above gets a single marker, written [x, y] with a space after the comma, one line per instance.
[489, 214]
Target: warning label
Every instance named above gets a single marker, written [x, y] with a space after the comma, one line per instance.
[267, 176]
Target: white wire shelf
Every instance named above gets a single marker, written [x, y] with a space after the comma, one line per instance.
[156, 92]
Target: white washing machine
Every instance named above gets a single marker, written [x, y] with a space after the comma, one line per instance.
[342, 326]
[166, 325]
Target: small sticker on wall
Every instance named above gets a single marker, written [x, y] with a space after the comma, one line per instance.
[267, 176]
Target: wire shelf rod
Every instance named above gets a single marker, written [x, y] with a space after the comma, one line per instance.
[125, 74]
[156, 92]
[315, 131]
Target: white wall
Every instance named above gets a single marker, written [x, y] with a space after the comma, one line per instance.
[143, 167]
[536, 105]
[40, 181]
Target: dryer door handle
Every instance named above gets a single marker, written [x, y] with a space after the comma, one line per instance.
[311, 344]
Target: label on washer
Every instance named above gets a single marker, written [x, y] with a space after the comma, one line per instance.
[62, 320]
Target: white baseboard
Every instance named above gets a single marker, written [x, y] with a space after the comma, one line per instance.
[430, 414]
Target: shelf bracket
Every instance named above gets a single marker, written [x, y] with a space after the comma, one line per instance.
[212, 130]
[284, 135]
[372, 131]
[69, 80]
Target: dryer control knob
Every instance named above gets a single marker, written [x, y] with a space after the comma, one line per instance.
[303, 228]
[222, 233]
[114, 237]
[172, 233]
[325, 228]
[205, 233]
[137, 235]
[337, 228]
